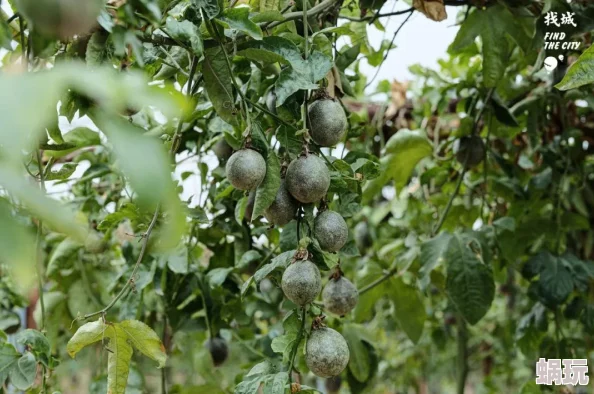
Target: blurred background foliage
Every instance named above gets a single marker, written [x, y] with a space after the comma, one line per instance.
[467, 275]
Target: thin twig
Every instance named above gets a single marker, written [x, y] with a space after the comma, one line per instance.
[387, 275]
[388, 50]
[376, 16]
[291, 16]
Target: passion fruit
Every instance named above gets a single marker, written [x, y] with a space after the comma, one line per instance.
[218, 349]
[284, 207]
[470, 150]
[331, 231]
[301, 282]
[246, 169]
[327, 122]
[308, 179]
[326, 352]
[340, 296]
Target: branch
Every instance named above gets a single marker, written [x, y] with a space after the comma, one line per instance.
[387, 275]
[376, 16]
[291, 16]
[388, 50]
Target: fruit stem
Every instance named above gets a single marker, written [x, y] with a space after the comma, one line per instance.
[296, 345]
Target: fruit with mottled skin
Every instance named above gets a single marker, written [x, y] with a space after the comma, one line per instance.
[326, 352]
[218, 349]
[222, 150]
[283, 208]
[331, 231]
[308, 179]
[340, 296]
[362, 236]
[301, 282]
[61, 18]
[246, 169]
[470, 150]
[327, 122]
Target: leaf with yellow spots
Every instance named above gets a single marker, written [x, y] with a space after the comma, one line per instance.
[119, 339]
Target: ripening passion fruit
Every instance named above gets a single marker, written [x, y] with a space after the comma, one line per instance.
[340, 296]
[218, 349]
[284, 207]
[326, 352]
[331, 231]
[327, 122]
[246, 169]
[308, 179]
[301, 282]
[470, 150]
[61, 18]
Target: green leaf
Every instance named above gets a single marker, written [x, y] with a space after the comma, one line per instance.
[127, 211]
[238, 19]
[219, 85]
[99, 50]
[555, 283]
[433, 253]
[63, 173]
[502, 112]
[346, 57]
[23, 372]
[54, 214]
[496, 51]
[240, 209]
[35, 341]
[210, 7]
[408, 308]
[280, 261]
[217, 276]
[8, 358]
[402, 153]
[247, 258]
[284, 344]
[5, 36]
[185, 32]
[580, 73]
[80, 137]
[469, 282]
[121, 337]
[87, 334]
[145, 340]
[266, 192]
[302, 75]
[359, 364]
[18, 247]
[276, 384]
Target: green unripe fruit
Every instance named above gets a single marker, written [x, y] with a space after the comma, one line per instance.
[283, 209]
[301, 282]
[61, 18]
[246, 169]
[218, 349]
[326, 352]
[470, 150]
[340, 296]
[327, 122]
[222, 150]
[362, 236]
[331, 231]
[308, 179]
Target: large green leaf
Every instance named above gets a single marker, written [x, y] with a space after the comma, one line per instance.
[402, 153]
[54, 214]
[302, 75]
[266, 192]
[496, 51]
[210, 7]
[580, 73]
[219, 85]
[469, 282]
[238, 18]
[8, 358]
[408, 308]
[185, 32]
[80, 137]
[359, 364]
[23, 373]
[17, 245]
[432, 252]
[280, 261]
[122, 338]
